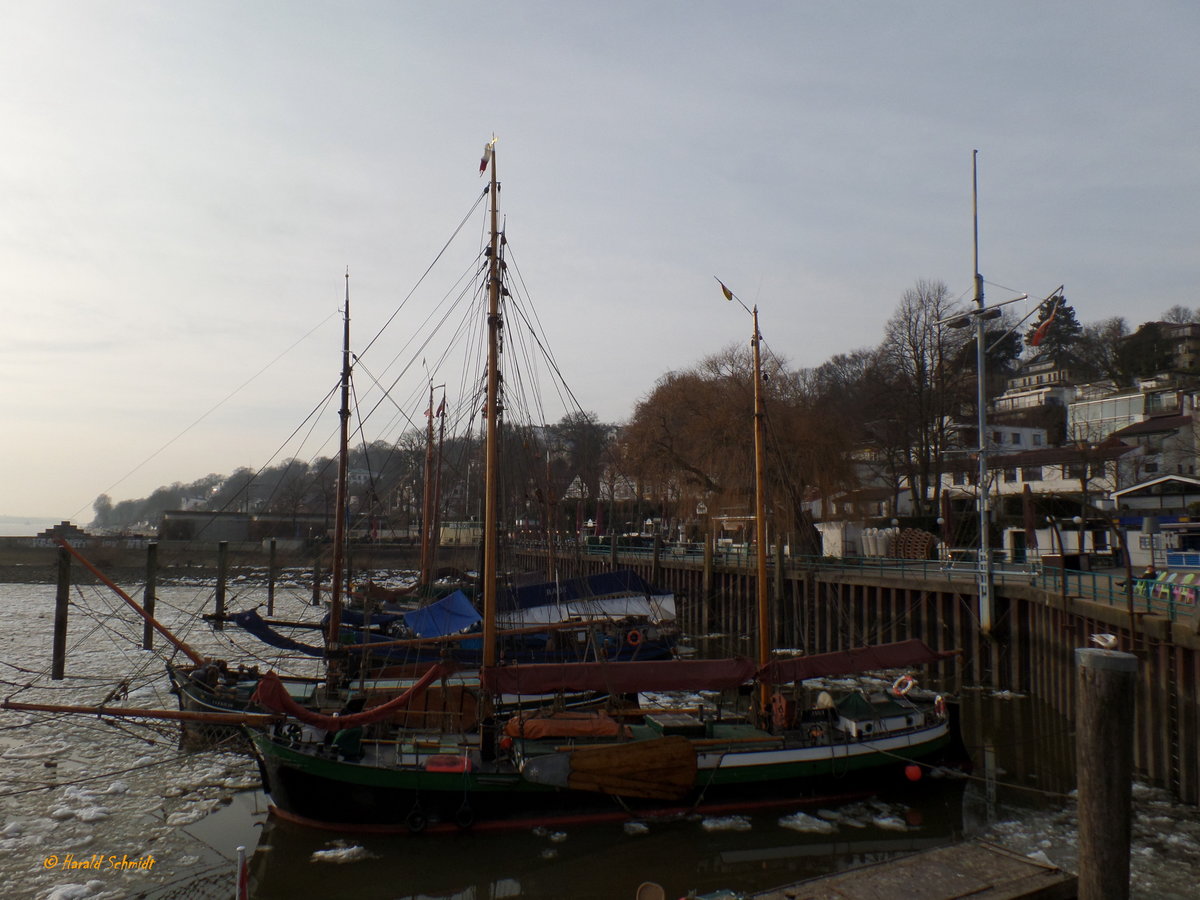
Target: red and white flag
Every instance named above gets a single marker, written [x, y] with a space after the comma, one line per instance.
[1040, 334]
[487, 156]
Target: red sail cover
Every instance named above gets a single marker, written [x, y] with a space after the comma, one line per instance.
[271, 694]
[899, 655]
[619, 678]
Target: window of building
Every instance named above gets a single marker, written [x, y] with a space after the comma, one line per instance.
[1016, 438]
[1151, 466]
[1031, 473]
[960, 477]
[1075, 470]
[997, 437]
[1037, 440]
[1010, 474]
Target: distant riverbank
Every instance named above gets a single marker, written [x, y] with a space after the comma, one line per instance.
[25, 526]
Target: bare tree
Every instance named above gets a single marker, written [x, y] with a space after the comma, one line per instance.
[1180, 315]
[925, 386]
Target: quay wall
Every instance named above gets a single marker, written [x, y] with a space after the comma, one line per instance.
[1040, 618]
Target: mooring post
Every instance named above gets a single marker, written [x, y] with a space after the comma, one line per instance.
[316, 597]
[148, 595]
[222, 572]
[612, 551]
[706, 584]
[271, 574]
[1104, 770]
[58, 659]
[656, 564]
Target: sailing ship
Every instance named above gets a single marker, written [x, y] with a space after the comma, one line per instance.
[348, 767]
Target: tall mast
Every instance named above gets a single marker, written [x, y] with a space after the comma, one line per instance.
[492, 410]
[760, 512]
[985, 556]
[339, 527]
[427, 500]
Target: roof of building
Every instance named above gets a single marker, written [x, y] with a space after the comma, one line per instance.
[1155, 425]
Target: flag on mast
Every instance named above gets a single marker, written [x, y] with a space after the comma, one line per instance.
[726, 291]
[487, 156]
[1040, 334]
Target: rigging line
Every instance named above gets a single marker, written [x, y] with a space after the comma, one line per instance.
[425, 274]
[540, 330]
[213, 408]
[432, 332]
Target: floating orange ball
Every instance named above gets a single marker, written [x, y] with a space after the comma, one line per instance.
[912, 772]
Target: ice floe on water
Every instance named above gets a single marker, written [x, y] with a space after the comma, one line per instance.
[90, 890]
[811, 824]
[1165, 852]
[633, 828]
[889, 823]
[726, 823]
[341, 853]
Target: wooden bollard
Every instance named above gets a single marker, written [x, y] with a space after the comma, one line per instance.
[1104, 770]
[58, 656]
[222, 574]
[148, 595]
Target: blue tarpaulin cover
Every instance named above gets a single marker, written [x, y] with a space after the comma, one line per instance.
[450, 615]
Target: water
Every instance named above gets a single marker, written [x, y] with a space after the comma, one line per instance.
[126, 791]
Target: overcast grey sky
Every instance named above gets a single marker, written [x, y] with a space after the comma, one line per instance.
[184, 184]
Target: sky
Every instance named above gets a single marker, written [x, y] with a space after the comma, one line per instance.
[185, 185]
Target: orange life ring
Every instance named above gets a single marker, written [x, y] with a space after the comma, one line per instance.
[903, 685]
[633, 638]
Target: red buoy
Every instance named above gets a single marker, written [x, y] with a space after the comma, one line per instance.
[912, 772]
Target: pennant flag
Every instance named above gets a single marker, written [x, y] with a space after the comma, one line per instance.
[1040, 334]
[441, 410]
[487, 157]
[726, 291]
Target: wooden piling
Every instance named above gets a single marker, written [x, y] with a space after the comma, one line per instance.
[272, 574]
[706, 584]
[316, 594]
[62, 599]
[1104, 770]
[222, 575]
[149, 594]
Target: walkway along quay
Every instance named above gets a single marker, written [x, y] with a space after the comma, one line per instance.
[1041, 616]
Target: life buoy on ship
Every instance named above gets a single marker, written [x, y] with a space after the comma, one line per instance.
[634, 638]
[903, 685]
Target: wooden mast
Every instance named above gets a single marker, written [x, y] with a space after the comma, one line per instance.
[427, 501]
[492, 410]
[332, 636]
[760, 515]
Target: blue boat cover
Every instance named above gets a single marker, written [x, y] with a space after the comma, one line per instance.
[624, 581]
[354, 618]
[450, 615]
[252, 622]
